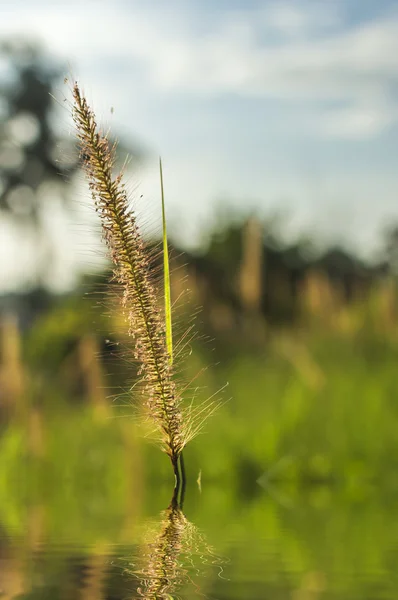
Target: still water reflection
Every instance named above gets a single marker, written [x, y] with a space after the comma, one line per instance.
[308, 545]
[172, 556]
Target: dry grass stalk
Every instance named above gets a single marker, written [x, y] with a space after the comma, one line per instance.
[132, 269]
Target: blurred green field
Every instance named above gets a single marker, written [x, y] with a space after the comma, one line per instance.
[298, 470]
[313, 540]
[309, 409]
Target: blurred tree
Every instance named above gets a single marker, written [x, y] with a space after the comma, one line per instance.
[36, 161]
[31, 174]
[391, 248]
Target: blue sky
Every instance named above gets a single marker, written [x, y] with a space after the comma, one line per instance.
[281, 106]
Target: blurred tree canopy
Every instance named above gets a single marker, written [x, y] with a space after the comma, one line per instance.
[29, 146]
[33, 179]
[37, 159]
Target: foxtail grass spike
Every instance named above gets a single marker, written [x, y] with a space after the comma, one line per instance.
[132, 271]
[150, 330]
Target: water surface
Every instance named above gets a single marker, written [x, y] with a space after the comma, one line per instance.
[269, 543]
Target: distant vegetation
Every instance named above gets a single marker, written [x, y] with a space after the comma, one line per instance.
[307, 341]
[313, 396]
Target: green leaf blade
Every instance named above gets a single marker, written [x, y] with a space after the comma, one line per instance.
[166, 274]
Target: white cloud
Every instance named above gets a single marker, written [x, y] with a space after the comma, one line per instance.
[300, 20]
[177, 56]
[295, 52]
[357, 122]
[242, 56]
